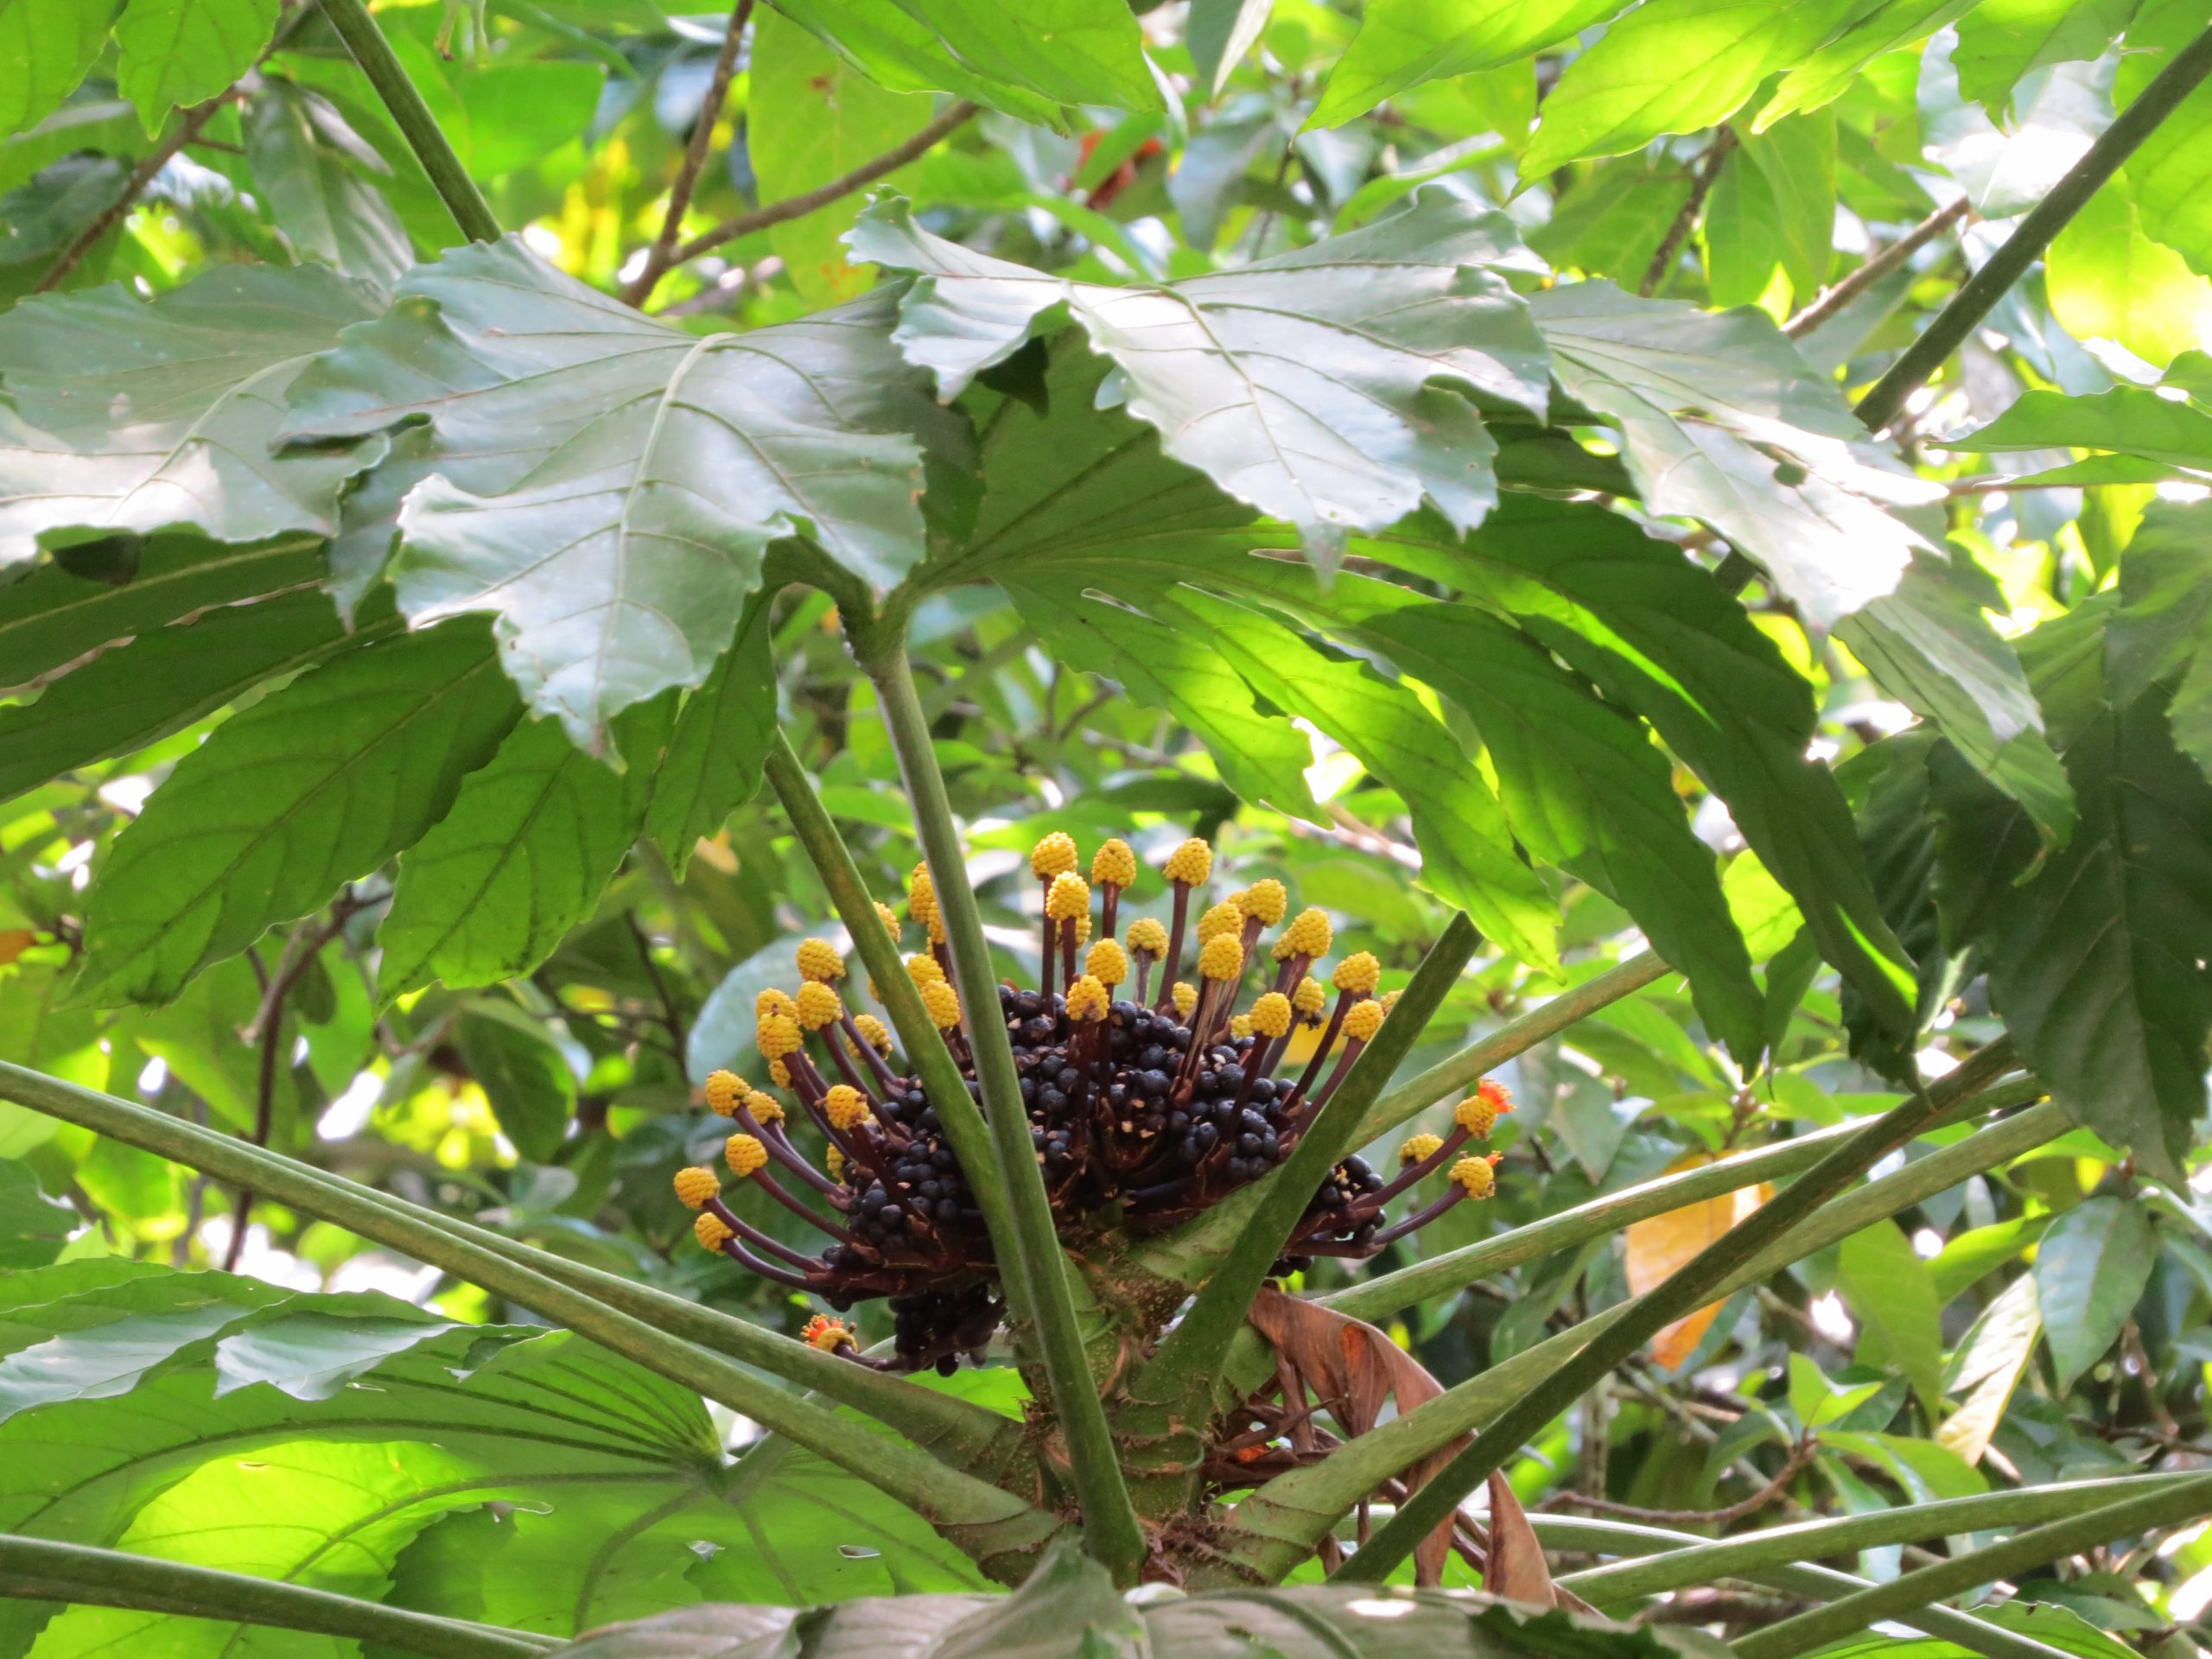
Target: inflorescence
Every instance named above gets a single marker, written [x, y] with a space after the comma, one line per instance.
[1153, 1106]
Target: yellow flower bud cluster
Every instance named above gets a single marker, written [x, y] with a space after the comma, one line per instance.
[1053, 856]
[1087, 1001]
[1189, 864]
[1114, 864]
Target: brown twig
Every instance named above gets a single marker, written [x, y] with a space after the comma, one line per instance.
[1701, 183]
[140, 175]
[1881, 266]
[777, 212]
[1799, 1456]
[662, 254]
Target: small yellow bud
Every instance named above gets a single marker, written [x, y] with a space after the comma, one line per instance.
[1087, 1000]
[695, 1186]
[1082, 930]
[889, 917]
[1418, 1147]
[711, 1230]
[844, 1106]
[1265, 899]
[1224, 918]
[1364, 1020]
[779, 1036]
[1389, 999]
[1053, 856]
[780, 1075]
[835, 1160]
[1107, 964]
[726, 1092]
[818, 1006]
[1477, 1175]
[1309, 999]
[764, 1106]
[1148, 939]
[1359, 973]
[1222, 958]
[744, 1153]
[873, 1032]
[818, 959]
[773, 1001]
[1271, 1015]
[925, 970]
[1186, 997]
[1308, 936]
[1070, 897]
[1240, 1024]
[1114, 864]
[1189, 864]
[921, 897]
[1479, 1112]
[827, 1334]
[943, 1005]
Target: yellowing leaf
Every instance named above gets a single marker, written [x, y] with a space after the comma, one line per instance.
[13, 941]
[1657, 1248]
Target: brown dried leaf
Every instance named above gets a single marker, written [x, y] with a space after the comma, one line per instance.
[13, 941]
[1660, 1246]
[1515, 1568]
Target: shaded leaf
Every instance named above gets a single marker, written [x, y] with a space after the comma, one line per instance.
[1987, 1367]
[324, 208]
[720, 740]
[532, 1092]
[2090, 1267]
[1893, 1299]
[311, 787]
[178, 52]
[1220, 33]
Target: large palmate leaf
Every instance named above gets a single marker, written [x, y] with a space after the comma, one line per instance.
[1325, 387]
[127, 415]
[311, 787]
[1402, 44]
[543, 1481]
[604, 483]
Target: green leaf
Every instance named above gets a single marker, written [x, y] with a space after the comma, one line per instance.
[715, 751]
[605, 484]
[2000, 40]
[1722, 420]
[178, 52]
[1585, 787]
[1402, 44]
[1654, 635]
[1220, 33]
[2107, 278]
[2090, 1268]
[2133, 420]
[154, 415]
[2168, 177]
[60, 610]
[2163, 630]
[1026, 63]
[49, 47]
[324, 208]
[32, 1225]
[811, 118]
[533, 1093]
[1894, 1300]
[1303, 385]
[1798, 161]
[1830, 73]
[532, 840]
[311, 787]
[1672, 66]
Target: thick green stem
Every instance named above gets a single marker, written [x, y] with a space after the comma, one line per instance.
[2190, 1501]
[37, 1569]
[413, 117]
[1194, 1351]
[992, 1525]
[1687, 1561]
[917, 1034]
[1979, 292]
[1112, 1534]
[1278, 1525]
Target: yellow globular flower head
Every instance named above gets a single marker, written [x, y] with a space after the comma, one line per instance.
[1148, 939]
[1309, 999]
[1271, 1015]
[1106, 962]
[818, 959]
[1224, 918]
[1266, 899]
[1185, 997]
[835, 1160]
[779, 1035]
[1240, 1024]
[921, 898]
[780, 1075]
[1479, 1176]
[873, 1032]
[942, 1003]
[1082, 928]
[1308, 936]
[844, 1108]
[818, 1006]
[1070, 897]
[764, 1106]
[1479, 1112]
[1363, 1021]
[773, 1001]
[1088, 1001]
[711, 1230]
[695, 1186]
[744, 1153]
[1054, 856]
[925, 970]
[1390, 999]
[1114, 864]
[1418, 1147]
[725, 1093]
[1222, 958]
[889, 917]
[827, 1334]
[1359, 973]
[1191, 863]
